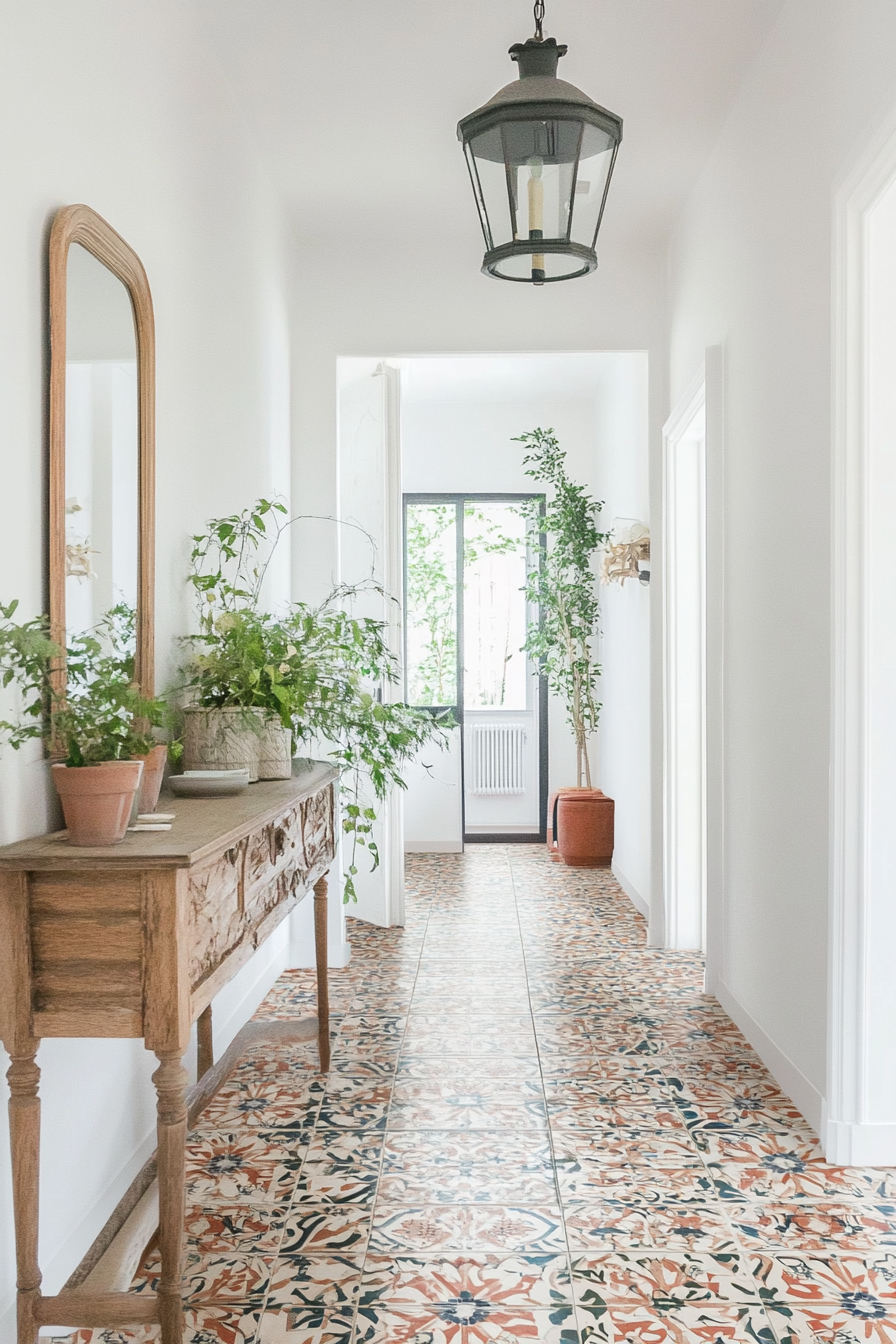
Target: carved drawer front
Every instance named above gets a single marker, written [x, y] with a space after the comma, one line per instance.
[231, 897]
[86, 949]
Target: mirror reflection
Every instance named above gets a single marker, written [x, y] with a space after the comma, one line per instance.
[101, 443]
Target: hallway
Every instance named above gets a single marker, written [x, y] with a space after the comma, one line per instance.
[535, 1128]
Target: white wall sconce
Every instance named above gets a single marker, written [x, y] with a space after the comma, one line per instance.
[627, 553]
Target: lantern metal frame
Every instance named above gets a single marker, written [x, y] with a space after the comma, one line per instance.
[538, 95]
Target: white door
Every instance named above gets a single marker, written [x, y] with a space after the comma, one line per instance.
[684, 674]
[500, 692]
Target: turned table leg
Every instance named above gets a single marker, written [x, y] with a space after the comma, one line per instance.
[323, 989]
[24, 1128]
[171, 1085]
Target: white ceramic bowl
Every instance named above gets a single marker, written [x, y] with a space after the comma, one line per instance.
[208, 783]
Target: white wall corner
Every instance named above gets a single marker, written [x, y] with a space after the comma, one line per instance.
[801, 1091]
[854, 1144]
[641, 905]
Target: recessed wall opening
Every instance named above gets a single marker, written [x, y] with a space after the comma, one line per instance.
[439, 432]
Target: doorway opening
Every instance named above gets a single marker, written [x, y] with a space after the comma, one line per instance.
[684, 673]
[466, 558]
[859, 1125]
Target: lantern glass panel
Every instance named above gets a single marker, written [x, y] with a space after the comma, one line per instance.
[591, 184]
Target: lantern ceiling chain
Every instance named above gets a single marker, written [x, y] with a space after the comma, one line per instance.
[539, 20]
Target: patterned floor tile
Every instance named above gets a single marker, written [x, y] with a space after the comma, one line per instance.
[436, 1228]
[864, 1320]
[214, 1278]
[441, 1181]
[823, 1228]
[514, 1281]
[240, 1166]
[464, 1322]
[314, 1281]
[843, 1280]
[477, 1091]
[421, 1067]
[663, 1278]
[644, 1323]
[457, 1115]
[234, 1229]
[306, 1325]
[314, 1231]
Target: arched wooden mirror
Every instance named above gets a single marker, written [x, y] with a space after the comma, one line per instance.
[102, 432]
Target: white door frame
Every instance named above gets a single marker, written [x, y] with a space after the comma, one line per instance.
[705, 394]
[853, 1131]
[684, 609]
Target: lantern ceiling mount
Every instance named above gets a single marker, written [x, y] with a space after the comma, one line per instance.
[540, 155]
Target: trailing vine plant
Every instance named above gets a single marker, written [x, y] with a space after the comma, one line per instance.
[561, 581]
[321, 670]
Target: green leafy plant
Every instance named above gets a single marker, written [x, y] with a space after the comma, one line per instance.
[321, 670]
[101, 714]
[561, 580]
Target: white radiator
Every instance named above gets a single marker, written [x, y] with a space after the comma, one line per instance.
[498, 758]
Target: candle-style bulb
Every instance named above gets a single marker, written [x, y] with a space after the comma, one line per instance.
[536, 214]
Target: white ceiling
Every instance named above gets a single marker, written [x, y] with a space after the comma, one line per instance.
[353, 104]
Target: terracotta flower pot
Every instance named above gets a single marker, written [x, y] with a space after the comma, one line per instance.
[585, 819]
[97, 799]
[151, 783]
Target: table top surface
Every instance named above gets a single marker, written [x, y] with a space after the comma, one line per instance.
[201, 827]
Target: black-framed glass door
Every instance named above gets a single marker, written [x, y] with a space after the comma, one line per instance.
[466, 614]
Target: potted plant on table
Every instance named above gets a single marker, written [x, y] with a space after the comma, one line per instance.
[562, 583]
[100, 724]
[314, 676]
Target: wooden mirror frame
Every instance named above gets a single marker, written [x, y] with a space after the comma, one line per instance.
[80, 224]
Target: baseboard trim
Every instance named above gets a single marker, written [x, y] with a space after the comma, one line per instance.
[802, 1093]
[433, 846]
[851, 1143]
[631, 891]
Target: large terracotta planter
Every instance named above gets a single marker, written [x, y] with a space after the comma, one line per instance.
[221, 739]
[151, 784]
[585, 824]
[97, 799]
[553, 850]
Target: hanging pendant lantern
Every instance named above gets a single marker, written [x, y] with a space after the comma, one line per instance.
[540, 155]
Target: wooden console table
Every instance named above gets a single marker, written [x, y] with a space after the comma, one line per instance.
[135, 940]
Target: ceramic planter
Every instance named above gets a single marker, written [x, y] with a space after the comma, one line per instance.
[221, 739]
[97, 799]
[585, 823]
[274, 751]
[151, 784]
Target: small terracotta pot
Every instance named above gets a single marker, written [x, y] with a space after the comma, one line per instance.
[97, 799]
[585, 823]
[151, 783]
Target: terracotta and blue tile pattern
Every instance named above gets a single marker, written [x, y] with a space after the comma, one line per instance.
[535, 1128]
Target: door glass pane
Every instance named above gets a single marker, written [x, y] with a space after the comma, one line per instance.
[495, 673]
[431, 616]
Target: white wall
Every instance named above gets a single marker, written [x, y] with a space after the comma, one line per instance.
[119, 106]
[624, 757]
[751, 270]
